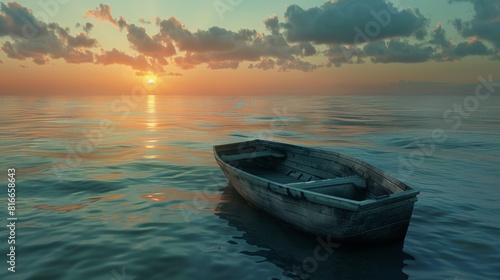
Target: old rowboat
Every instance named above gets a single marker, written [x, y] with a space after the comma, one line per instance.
[318, 191]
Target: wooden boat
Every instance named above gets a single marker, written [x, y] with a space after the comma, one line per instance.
[318, 191]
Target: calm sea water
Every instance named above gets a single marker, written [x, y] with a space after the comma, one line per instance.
[128, 189]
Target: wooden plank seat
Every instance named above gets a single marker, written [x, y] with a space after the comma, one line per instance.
[355, 180]
[258, 154]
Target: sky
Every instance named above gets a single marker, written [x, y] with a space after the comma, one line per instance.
[248, 47]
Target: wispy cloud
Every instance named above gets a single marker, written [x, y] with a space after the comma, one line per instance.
[144, 21]
[103, 13]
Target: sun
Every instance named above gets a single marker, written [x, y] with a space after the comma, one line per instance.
[151, 80]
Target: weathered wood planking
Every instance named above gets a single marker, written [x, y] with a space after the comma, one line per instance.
[276, 181]
[361, 168]
[252, 155]
[355, 180]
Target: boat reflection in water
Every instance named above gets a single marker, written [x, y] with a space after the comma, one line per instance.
[304, 256]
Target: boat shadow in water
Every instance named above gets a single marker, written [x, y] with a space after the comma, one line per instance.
[304, 256]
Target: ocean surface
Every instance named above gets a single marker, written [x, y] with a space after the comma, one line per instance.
[123, 188]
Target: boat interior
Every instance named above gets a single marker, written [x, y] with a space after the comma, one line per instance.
[302, 174]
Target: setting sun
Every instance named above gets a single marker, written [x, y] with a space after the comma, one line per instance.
[151, 80]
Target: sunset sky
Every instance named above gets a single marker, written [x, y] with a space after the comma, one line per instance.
[248, 47]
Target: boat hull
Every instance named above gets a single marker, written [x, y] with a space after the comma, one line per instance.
[360, 222]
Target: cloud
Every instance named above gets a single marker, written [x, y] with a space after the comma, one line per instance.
[150, 46]
[143, 21]
[170, 74]
[102, 13]
[220, 48]
[159, 74]
[78, 57]
[349, 54]
[40, 41]
[16, 20]
[213, 60]
[439, 39]
[88, 27]
[118, 57]
[352, 22]
[223, 65]
[392, 51]
[55, 44]
[470, 48]
[272, 24]
[485, 24]
[397, 51]
[140, 41]
[13, 52]
[438, 48]
[81, 41]
[452, 52]
[213, 39]
[286, 65]
[264, 64]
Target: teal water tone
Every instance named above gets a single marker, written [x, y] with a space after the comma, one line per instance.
[112, 188]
